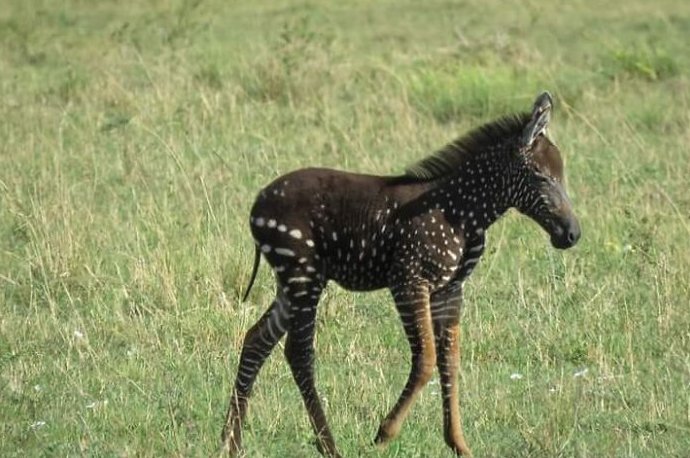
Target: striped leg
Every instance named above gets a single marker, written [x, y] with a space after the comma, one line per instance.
[414, 310]
[258, 344]
[445, 311]
[299, 352]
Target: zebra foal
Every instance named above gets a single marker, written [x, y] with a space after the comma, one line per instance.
[419, 234]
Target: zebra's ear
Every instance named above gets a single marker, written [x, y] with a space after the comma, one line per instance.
[541, 115]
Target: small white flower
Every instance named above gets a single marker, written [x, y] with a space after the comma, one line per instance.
[37, 424]
[78, 334]
[38, 387]
[581, 373]
[515, 376]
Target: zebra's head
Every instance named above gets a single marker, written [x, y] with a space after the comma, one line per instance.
[540, 190]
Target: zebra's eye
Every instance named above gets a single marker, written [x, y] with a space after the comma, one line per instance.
[545, 178]
[540, 178]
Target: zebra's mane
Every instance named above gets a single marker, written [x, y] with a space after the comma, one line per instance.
[450, 157]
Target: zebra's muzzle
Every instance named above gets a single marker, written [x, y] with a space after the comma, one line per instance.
[564, 233]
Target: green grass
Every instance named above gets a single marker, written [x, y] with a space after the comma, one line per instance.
[134, 136]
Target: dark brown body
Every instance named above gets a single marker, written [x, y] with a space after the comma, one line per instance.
[366, 234]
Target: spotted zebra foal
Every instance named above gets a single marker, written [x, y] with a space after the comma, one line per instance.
[419, 235]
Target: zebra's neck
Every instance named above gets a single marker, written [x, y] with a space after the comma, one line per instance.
[472, 199]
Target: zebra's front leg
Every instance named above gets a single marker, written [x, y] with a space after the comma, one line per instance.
[299, 352]
[258, 344]
[413, 306]
[445, 309]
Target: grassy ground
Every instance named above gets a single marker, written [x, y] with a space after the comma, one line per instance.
[133, 139]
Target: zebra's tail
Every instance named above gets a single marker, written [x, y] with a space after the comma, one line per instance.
[255, 269]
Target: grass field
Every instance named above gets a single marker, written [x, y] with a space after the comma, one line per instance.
[134, 136]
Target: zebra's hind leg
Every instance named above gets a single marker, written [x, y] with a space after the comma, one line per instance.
[258, 344]
[413, 306]
[299, 352]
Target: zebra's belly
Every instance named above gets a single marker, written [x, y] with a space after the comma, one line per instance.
[355, 278]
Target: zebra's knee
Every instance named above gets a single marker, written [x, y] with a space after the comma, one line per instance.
[426, 366]
[425, 374]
